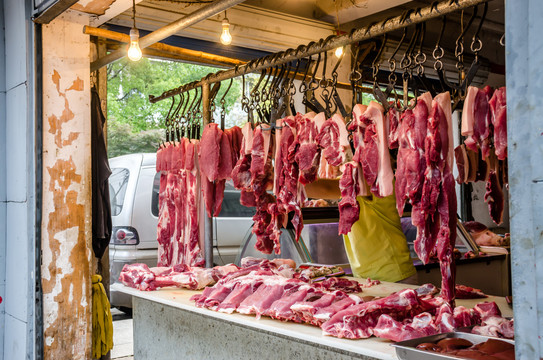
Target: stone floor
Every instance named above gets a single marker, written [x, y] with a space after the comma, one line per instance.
[123, 345]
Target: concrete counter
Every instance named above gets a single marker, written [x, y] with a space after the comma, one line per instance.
[167, 325]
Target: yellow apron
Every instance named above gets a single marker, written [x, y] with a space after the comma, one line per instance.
[376, 246]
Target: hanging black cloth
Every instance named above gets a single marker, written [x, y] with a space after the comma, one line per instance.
[101, 210]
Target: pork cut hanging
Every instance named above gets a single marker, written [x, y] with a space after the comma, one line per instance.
[435, 215]
[216, 160]
[178, 220]
[374, 158]
[334, 140]
[411, 163]
[498, 111]
[476, 119]
[309, 153]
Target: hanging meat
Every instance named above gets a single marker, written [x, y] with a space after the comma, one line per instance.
[216, 166]
[476, 119]
[334, 140]
[241, 174]
[309, 153]
[178, 220]
[374, 157]
[411, 163]
[498, 111]
[351, 185]
[435, 214]
[288, 190]
[393, 125]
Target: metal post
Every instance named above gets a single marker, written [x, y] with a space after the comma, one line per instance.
[332, 42]
[524, 54]
[199, 15]
[208, 232]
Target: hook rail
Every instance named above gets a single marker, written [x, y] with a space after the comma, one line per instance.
[332, 42]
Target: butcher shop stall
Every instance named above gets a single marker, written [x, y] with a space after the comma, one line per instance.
[383, 119]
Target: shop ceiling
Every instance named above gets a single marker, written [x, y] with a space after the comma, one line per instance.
[275, 25]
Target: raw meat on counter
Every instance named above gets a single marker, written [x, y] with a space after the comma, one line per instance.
[483, 236]
[466, 292]
[496, 326]
[141, 277]
[491, 349]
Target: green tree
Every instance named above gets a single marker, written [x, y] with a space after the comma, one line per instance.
[134, 123]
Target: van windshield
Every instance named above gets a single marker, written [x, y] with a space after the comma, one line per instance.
[118, 180]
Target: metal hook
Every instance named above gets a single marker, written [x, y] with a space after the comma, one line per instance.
[476, 43]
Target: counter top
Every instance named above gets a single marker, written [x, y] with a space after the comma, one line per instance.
[372, 347]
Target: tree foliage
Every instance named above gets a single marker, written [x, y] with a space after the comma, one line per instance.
[134, 123]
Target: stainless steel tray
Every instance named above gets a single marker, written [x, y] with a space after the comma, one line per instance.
[406, 350]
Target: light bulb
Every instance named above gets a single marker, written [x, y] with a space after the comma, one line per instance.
[226, 38]
[339, 52]
[134, 51]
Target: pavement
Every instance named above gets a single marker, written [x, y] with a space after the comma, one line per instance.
[123, 341]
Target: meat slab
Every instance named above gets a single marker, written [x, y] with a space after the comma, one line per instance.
[498, 111]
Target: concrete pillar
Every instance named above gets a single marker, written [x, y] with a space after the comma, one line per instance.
[66, 224]
[17, 182]
[524, 77]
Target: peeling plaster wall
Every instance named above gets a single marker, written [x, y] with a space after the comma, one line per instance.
[66, 224]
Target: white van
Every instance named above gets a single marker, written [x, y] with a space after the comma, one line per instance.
[133, 190]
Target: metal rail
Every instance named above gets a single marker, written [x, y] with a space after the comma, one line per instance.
[332, 42]
[199, 15]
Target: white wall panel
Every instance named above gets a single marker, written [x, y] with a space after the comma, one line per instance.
[16, 143]
[15, 38]
[18, 250]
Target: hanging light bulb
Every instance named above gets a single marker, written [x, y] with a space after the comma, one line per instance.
[339, 52]
[134, 51]
[225, 38]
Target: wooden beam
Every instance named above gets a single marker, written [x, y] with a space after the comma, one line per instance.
[153, 53]
[184, 54]
[49, 14]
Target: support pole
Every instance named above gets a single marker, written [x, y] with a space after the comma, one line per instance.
[208, 232]
[199, 15]
[524, 78]
[332, 42]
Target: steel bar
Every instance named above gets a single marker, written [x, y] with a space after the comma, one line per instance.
[332, 42]
[208, 228]
[191, 55]
[199, 15]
